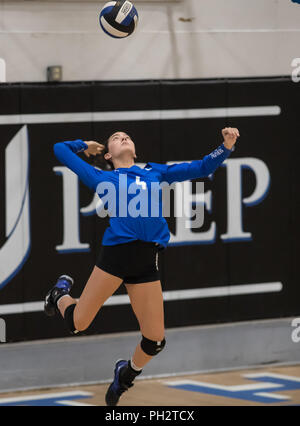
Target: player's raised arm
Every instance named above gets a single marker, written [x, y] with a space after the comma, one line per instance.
[206, 166]
[66, 153]
[230, 135]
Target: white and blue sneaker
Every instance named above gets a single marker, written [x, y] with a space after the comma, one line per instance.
[62, 287]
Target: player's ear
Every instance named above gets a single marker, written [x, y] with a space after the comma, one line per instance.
[107, 156]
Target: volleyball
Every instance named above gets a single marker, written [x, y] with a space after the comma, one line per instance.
[118, 19]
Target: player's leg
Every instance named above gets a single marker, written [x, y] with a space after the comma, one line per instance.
[147, 303]
[79, 314]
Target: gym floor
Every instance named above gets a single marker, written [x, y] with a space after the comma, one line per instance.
[260, 386]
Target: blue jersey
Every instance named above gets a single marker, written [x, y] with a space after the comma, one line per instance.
[151, 226]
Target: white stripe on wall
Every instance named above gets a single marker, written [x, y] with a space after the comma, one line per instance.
[177, 114]
[200, 293]
[145, 31]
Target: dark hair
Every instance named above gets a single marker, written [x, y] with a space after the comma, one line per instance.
[109, 163]
[100, 161]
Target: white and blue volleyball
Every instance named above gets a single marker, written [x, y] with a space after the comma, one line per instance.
[118, 19]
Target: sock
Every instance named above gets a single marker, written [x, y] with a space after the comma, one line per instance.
[128, 374]
[134, 367]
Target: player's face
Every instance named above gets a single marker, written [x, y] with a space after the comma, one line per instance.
[120, 142]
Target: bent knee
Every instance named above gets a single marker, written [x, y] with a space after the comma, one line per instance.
[80, 322]
[152, 347]
[76, 320]
[81, 325]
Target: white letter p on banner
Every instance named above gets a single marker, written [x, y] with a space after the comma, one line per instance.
[235, 198]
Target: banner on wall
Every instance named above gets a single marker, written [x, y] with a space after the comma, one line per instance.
[240, 264]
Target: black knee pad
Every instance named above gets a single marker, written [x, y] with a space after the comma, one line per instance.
[151, 347]
[69, 318]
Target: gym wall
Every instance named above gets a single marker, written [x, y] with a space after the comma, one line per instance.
[174, 39]
[240, 265]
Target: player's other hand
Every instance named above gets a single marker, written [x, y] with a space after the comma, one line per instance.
[94, 148]
[230, 135]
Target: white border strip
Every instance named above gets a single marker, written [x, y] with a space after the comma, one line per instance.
[199, 293]
[273, 395]
[275, 375]
[235, 388]
[45, 396]
[176, 114]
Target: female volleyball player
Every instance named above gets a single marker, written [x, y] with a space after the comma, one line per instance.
[129, 247]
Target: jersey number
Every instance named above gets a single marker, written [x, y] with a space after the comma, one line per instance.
[142, 184]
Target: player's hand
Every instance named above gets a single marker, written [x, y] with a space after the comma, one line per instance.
[230, 135]
[94, 148]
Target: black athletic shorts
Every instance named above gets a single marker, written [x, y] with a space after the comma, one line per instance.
[134, 262]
